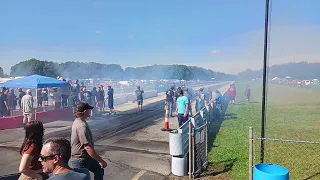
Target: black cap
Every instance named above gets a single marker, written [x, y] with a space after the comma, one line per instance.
[83, 106]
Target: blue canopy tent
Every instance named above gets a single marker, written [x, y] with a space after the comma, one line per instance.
[34, 81]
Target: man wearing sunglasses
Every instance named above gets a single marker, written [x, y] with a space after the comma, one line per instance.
[54, 158]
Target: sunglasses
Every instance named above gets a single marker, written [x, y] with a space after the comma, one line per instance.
[45, 158]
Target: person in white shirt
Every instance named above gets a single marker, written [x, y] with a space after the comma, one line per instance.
[27, 107]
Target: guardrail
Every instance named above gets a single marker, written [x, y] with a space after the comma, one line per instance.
[189, 143]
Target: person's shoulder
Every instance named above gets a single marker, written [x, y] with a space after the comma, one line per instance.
[79, 174]
[83, 172]
[78, 123]
[32, 149]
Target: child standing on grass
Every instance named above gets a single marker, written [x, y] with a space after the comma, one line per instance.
[232, 94]
[248, 94]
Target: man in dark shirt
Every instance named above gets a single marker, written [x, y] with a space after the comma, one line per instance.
[169, 99]
[100, 100]
[110, 100]
[4, 109]
[139, 95]
[93, 98]
[104, 95]
[76, 86]
[21, 94]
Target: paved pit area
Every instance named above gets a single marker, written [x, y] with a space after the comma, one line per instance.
[131, 142]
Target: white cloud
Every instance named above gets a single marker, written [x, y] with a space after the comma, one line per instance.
[131, 36]
[214, 52]
[98, 32]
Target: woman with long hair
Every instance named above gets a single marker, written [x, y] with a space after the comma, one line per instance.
[30, 167]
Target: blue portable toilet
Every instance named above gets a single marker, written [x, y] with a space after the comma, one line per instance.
[270, 172]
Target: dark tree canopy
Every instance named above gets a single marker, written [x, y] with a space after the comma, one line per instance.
[80, 70]
[300, 70]
[34, 66]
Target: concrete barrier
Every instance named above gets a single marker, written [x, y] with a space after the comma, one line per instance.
[146, 95]
[131, 97]
[150, 94]
[49, 116]
[120, 100]
[18, 112]
[11, 122]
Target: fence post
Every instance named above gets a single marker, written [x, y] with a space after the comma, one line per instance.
[206, 133]
[190, 150]
[193, 148]
[250, 152]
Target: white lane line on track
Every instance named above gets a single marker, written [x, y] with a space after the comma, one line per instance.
[137, 176]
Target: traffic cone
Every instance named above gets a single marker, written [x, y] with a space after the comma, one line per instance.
[166, 119]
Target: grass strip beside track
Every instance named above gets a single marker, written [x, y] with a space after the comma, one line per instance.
[292, 113]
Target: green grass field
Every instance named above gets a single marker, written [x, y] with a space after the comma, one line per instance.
[292, 113]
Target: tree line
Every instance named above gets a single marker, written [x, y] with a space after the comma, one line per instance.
[299, 70]
[81, 70]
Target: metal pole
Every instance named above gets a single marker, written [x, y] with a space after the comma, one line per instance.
[250, 152]
[206, 133]
[193, 145]
[265, 55]
[190, 150]
[35, 113]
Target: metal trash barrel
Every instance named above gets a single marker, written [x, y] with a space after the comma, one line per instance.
[270, 172]
[175, 143]
[179, 166]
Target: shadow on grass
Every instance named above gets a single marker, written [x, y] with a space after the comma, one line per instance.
[315, 176]
[245, 103]
[217, 168]
[214, 126]
[230, 116]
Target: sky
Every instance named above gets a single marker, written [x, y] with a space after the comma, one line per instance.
[225, 36]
